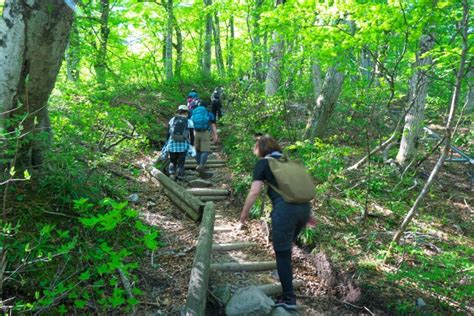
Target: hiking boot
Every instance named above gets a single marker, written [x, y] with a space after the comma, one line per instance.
[201, 169]
[288, 304]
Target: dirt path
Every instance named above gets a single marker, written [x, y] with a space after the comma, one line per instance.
[165, 274]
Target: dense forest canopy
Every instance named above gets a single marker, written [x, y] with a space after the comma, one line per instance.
[375, 97]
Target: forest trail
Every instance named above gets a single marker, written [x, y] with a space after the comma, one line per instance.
[252, 263]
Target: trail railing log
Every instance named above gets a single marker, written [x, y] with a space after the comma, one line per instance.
[198, 282]
[188, 203]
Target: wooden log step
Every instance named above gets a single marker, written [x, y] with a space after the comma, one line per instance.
[179, 192]
[223, 229]
[233, 246]
[206, 198]
[207, 192]
[275, 288]
[194, 214]
[209, 161]
[243, 266]
[199, 280]
[189, 166]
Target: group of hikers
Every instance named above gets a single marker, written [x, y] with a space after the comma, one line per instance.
[290, 187]
[190, 132]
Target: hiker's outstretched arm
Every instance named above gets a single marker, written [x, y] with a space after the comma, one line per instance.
[250, 200]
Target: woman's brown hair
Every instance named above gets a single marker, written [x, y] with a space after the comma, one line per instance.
[266, 145]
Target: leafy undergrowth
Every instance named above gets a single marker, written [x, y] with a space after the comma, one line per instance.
[358, 213]
[73, 241]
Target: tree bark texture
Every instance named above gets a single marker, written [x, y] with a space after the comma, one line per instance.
[273, 76]
[316, 78]
[33, 40]
[325, 104]
[217, 44]
[230, 45]
[101, 59]
[199, 280]
[273, 79]
[207, 54]
[469, 103]
[179, 48]
[168, 4]
[417, 98]
[258, 70]
[449, 126]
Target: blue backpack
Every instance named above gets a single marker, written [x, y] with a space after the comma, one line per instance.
[200, 118]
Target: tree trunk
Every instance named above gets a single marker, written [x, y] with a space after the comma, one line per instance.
[206, 56]
[464, 25]
[469, 104]
[101, 59]
[417, 97]
[273, 79]
[256, 45]
[230, 46]
[316, 78]
[366, 65]
[179, 49]
[217, 44]
[325, 104]
[73, 54]
[33, 42]
[168, 4]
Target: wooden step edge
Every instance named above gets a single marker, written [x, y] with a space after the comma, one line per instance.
[243, 266]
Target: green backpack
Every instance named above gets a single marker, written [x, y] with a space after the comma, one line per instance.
[295, 184]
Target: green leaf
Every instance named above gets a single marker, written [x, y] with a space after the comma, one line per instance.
[150, 240]
[80, 303]
[26, 175]
[12, 171]
[85, 275]
[133, 301]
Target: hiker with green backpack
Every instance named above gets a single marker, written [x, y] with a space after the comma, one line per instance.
[290, 189]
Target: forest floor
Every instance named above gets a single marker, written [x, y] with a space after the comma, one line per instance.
[164, 275]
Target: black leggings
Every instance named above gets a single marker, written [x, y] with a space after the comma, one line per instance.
[285, 273]
[177, 160]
